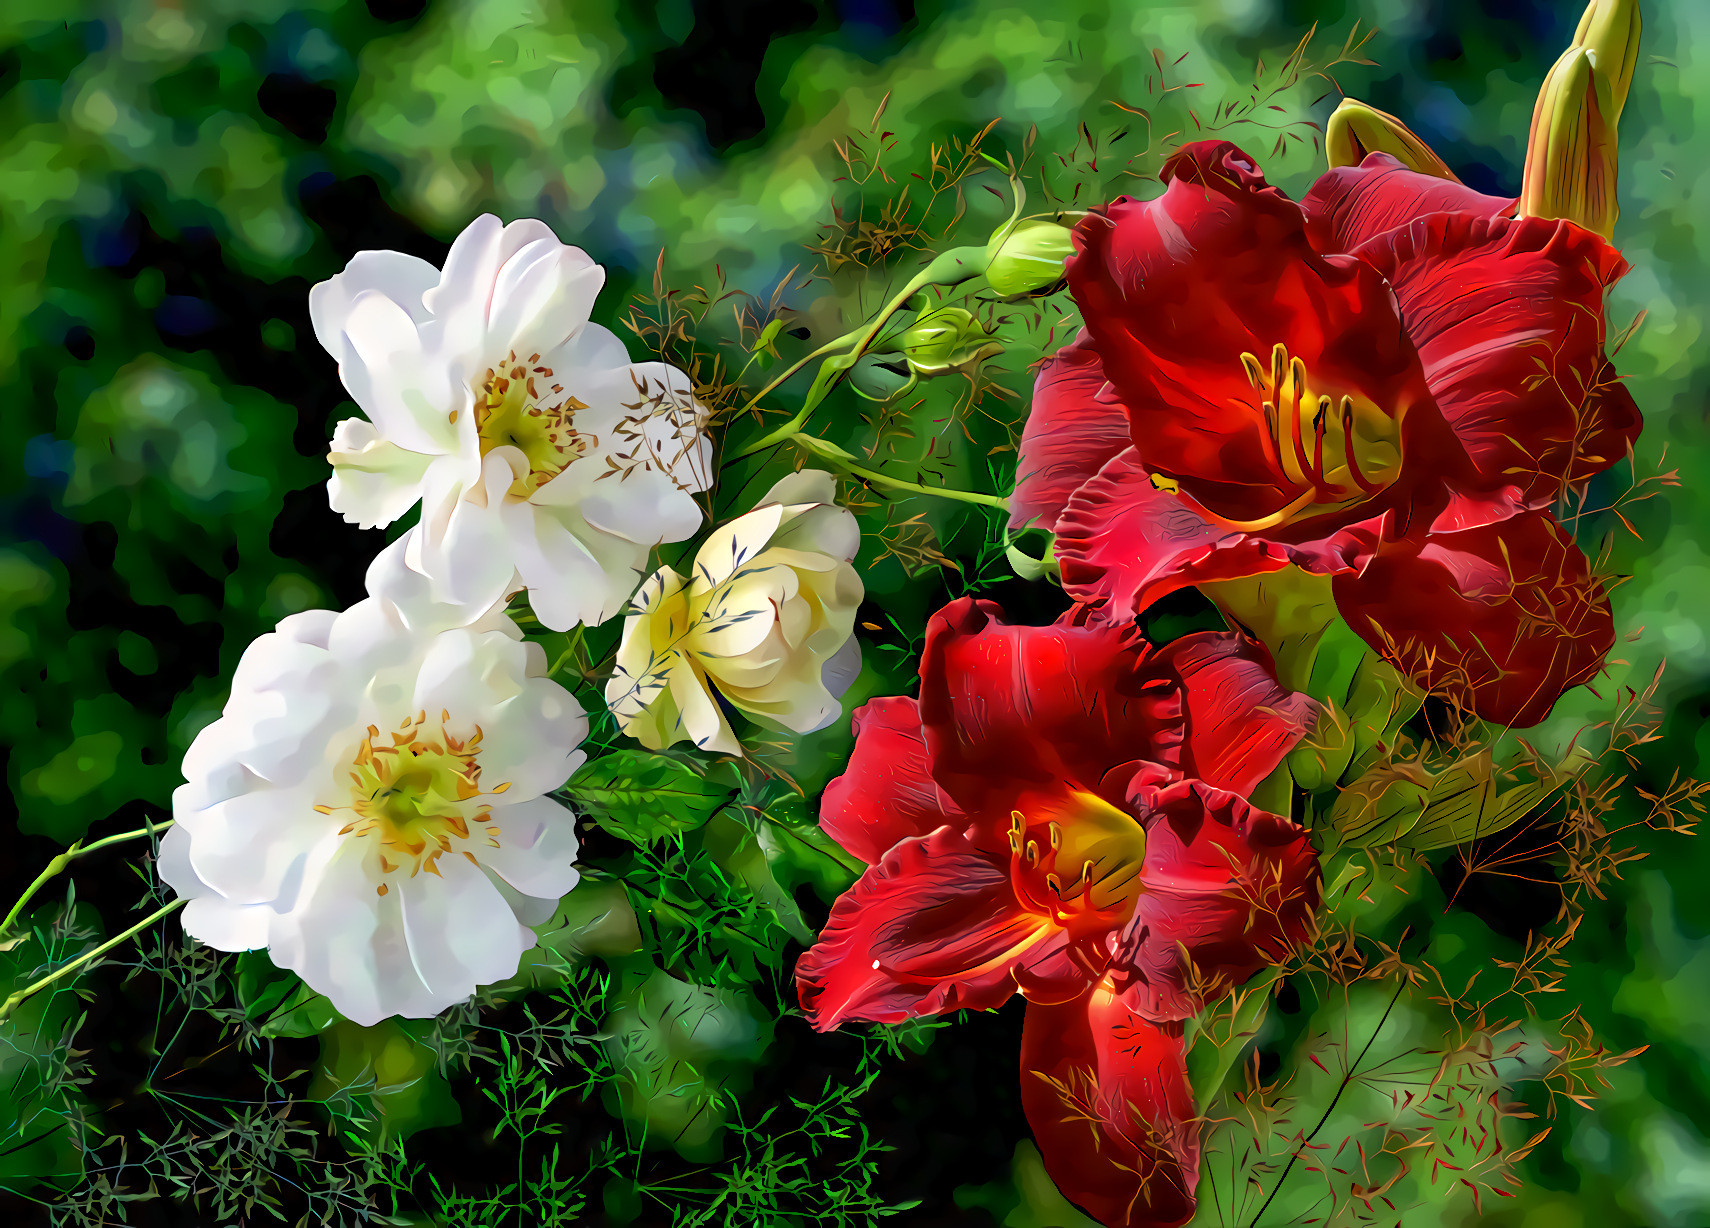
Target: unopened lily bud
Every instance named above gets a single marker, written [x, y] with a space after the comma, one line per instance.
[945, 340]
[1571, 157]
[1609, 30]
[1572, 153]
[1027, 257]
[1357, 129]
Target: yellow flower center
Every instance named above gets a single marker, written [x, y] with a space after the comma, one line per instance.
[413, 796]
[1336, 451]
[512, 410]
[1088, 861]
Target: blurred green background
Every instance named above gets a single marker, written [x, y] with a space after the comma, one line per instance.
[175, 176]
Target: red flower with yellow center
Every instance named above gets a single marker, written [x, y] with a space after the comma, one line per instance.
[1388, 383]
[1063, 812]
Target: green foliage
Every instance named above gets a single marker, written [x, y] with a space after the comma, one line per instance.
[646, 795]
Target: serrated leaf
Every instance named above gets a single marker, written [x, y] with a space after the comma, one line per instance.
[645, 796]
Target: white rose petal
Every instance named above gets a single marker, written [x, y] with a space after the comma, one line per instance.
[541, 455]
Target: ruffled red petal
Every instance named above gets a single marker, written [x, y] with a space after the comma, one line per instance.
[1241, 721]
[934, 927]
[1227, 889]
[1076, 424]
[1013, 710]
[1124, 543]
[1351, 205]
[1174, 290]
[1107, 1095]
[1609, 423]
[887, 793]
[1507, 317]
[1502, 617]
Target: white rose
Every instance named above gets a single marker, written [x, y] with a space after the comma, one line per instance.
[371, 808]
[541, 455]
[766, 621]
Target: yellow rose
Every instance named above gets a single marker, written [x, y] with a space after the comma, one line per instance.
[765, 622]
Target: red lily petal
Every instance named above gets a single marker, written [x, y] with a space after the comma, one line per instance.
[1228, 888]
[1241, 721]
[1502, 617]
[1011, 709]
[934, 927]
[1124, 543]
[886, 794]
[1609, 422]
[1352, 204]
[1174, 291]
[1507, 317]
[1071, 431]
[1107, 1095]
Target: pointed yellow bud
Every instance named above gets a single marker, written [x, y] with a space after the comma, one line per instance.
[1356, 129]
[1572, 154]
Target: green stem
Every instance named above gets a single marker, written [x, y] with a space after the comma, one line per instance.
[846, 462]
[11, 1004]
[794, 424]
[64, 859]
[947, 269]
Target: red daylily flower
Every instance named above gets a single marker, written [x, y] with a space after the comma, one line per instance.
[1387, 382]
[1062, 813]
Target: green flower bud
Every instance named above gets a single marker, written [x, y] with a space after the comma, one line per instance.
[946, 339]
[1027, 257]
[1356, 129]
[1609, 30]
[1572, 153]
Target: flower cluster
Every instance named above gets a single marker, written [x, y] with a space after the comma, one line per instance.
[372, 807]
[1383, 389]
[1378, 394]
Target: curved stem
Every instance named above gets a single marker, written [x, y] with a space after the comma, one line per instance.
[947, 269]
[64, 859]
[11, 1004]
[846, 462]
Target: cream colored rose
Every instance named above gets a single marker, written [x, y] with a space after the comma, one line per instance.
[765, 621]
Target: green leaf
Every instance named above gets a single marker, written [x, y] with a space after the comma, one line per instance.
[594, 919]
[1366, 700]
[740, 852]
[381, 1084]
[1215, 1038]
[679, 1050]
[1465, 804]
[645, 796]
[278, 1002]
[1382, 805]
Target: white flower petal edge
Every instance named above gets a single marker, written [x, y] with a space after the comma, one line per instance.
[765, 623]
[542, 457]
[371, 805]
